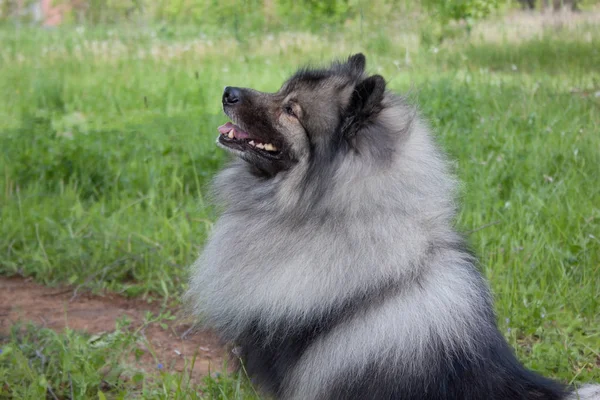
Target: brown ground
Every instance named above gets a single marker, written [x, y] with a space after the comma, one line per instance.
[55, 308]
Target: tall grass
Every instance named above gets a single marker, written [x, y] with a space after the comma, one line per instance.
[107, 147]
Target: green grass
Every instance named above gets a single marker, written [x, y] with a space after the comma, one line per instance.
[41, 363]
[107, 147]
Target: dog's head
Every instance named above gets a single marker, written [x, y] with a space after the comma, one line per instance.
[316, 114]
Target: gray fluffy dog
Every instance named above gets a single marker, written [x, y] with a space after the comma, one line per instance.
[335, 266]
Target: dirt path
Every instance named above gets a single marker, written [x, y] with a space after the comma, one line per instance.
[23, 300]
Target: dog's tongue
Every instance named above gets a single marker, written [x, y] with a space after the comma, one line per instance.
[237, 131]
[223, 129]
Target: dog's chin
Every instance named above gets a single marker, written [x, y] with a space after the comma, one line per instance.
[265, 157]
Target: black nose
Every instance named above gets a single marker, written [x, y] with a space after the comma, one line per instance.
[231, 95]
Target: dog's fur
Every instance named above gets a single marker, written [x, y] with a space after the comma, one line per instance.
[335, 265]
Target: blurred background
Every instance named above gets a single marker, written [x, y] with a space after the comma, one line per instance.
[108, 116]
[266, 14]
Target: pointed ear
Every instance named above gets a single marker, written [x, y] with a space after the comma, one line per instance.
[367, 95]
[365, 101]
[357, 62]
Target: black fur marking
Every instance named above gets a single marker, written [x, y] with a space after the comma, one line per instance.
[307, 76]
[493, 374]
[268, 356]
[353, 69]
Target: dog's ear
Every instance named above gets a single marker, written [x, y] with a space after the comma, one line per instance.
[365, 101]
[357, 63]
[367, 95]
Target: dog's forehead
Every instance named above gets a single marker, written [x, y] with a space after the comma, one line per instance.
[307, 81]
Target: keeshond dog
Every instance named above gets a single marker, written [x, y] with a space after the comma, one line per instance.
[335, 267]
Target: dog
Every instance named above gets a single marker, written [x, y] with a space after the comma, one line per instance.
[334, 266]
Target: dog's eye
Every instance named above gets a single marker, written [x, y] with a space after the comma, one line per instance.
[289, 110]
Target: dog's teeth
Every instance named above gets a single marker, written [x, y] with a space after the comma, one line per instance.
[252, 143]
[260, 146]
[269, 147]
[231, 134]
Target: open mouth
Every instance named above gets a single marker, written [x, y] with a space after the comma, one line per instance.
[234, 137]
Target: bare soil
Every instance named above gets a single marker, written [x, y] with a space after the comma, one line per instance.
[22, 300]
